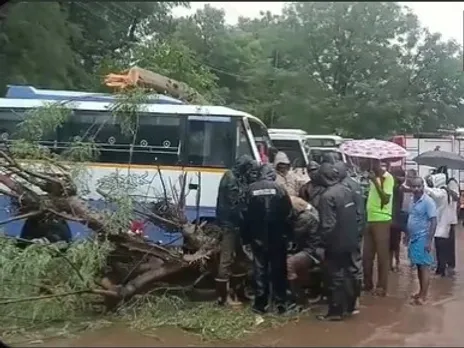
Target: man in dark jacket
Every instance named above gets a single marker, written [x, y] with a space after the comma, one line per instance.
[229, 207]
[312, 190]
[307, 248]
[265, 229]
[356, 260]
[339, 228]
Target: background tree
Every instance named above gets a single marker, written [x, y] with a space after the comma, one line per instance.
[355, 68]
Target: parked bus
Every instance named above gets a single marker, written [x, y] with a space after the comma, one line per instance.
[415, 144]
[202, 141]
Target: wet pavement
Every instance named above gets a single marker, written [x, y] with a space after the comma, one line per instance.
[389, 321]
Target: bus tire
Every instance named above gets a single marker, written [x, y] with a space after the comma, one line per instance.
[54, 231]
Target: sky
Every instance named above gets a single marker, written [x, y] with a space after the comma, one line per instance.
[443, 17]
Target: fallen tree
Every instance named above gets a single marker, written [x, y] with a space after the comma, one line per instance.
[135, 264]
[47, 191]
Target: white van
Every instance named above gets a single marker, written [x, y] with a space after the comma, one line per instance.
[293, 143]
[321, 145]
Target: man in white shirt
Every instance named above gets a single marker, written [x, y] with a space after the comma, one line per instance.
[437, 190]
[453, 190]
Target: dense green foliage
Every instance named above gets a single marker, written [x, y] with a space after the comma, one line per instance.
[358, 68]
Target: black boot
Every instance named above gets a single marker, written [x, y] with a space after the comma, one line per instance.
[222, 291]
[335, 313]
[353, 301]
[237, 284]
[298, 296]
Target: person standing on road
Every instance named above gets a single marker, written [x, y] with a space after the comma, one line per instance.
[265, 229]
[422, 224]
[377, 234]
[339, 228]
[398, 219]
[356, 260]
[453, 213]
[313, 189]
[229, 208]
[436, 189]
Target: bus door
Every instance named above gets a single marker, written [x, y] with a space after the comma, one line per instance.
[209, 146]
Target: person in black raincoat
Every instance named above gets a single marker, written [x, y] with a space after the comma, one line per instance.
[306, 249]
[312, 190]
[229, 209]
[339, 228]
[265, 229]
[356, 260]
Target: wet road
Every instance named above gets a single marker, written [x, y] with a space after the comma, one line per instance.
[389, 321]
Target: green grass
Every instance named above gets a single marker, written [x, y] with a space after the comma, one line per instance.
[205, 319]
[23, 318]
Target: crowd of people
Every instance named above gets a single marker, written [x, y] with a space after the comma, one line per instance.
[324, 235]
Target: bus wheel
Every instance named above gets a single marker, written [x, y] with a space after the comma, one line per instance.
[52, 230]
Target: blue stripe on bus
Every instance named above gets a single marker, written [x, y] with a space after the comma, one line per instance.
[79, 231]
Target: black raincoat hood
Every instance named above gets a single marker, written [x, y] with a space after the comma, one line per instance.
[254, 173]
[328, 175]
[313, 171]
[268, 173]
[342, 170]
[243, 165]
[313, 165]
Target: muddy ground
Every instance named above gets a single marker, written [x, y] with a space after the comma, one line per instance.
[389, 321]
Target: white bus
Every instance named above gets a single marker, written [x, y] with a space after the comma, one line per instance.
[202, 141]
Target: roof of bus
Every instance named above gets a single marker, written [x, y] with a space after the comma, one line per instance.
[29, 92]
[150, 108]
[286, 136]
[319, 136]
[287, 131]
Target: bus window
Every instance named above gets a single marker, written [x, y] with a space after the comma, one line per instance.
[210, 141]
[260, 135]
[243, 143]
[9, 122]
[98, 128]
[157, 140]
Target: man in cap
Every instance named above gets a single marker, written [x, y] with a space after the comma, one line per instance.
[285, 176]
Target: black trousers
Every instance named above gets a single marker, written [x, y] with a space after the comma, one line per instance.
[269, 271]
[451, 262]
[356, 273]
[342, 292]
[442, 251]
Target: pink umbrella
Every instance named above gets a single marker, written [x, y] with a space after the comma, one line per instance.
[373, 148]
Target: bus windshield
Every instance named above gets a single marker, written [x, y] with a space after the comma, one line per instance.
[321, 142]
[319, 155]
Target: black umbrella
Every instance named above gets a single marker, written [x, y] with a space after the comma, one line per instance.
[439, 158]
